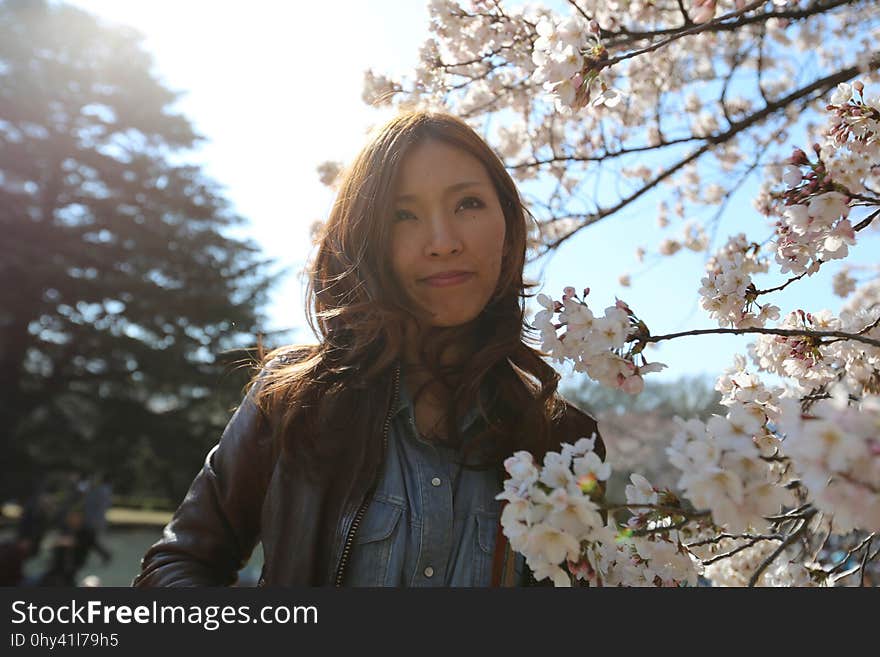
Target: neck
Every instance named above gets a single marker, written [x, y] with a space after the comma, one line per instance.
[417, 372]
[455, 352]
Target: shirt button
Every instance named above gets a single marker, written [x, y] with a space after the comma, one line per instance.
[436, 481]
[429, 572]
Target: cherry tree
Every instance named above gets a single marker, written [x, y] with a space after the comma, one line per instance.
[684, 101]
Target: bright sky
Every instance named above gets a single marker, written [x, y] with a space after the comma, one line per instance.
[275, 87]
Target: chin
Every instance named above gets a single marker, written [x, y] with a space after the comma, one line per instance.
[449, 320]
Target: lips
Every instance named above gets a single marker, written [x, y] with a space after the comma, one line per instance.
[445, 278]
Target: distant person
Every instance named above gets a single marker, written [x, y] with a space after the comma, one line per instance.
[13, 554]
[35, 519]
[70, 496]
[96, 502]
[70, 550]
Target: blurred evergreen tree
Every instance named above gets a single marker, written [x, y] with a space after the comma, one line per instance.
[124, 299]
[637, 429]
[687, 397]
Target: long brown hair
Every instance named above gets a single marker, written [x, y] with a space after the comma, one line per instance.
[359, 310]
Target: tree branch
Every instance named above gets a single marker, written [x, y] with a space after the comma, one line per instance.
[696, 29]
[720, 537]
[859, 226]
[789, 333]
[842, 562]
[864, 562]
[867, 220]
[742, 547]
[788, 541]
[625, 36]
[786, 284]
[822, 84]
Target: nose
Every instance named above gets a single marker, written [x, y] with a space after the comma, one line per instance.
[443, 238]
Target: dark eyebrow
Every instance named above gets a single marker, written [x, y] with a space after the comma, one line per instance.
[457, 187]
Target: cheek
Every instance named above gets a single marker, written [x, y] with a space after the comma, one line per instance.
[400, 254]
[492, 245]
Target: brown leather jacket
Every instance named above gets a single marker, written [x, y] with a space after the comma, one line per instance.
[243, 494]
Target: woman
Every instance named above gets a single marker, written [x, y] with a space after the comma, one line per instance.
[374, 457]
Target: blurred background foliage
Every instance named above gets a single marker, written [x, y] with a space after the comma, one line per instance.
[127, 309]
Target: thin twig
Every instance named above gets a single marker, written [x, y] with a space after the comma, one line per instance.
[822, 84]
[788, 541]
[864, 222]
[819, 549]
[742, 547]
[720, 537]
[864, 561]
[840, 564]
[855, 569]
[696, 29]
[790, 15]
[870, 327]
[859, 226]
[789, 333]
[787, 283]
[799, 512]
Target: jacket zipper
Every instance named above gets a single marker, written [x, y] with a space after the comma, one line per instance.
[349, 541]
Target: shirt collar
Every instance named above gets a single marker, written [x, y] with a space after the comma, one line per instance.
[404, 401]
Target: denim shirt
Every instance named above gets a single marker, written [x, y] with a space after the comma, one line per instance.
[418, 530]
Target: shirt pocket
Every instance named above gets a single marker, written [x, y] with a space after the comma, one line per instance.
[487, 526]
[374, 545]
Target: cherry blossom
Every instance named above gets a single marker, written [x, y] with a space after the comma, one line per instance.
[835, 449]
[561, 532]
[639, 90]
[727, 291]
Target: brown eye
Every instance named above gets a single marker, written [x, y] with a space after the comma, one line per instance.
[470, 203]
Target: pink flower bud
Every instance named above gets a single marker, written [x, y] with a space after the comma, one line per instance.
[622, 305]
[586, 291]
[798, 158]
[703, 11]
[568, 292]
[634, 385]
[581, 569]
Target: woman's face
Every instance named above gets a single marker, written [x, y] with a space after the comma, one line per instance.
[447, 239]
